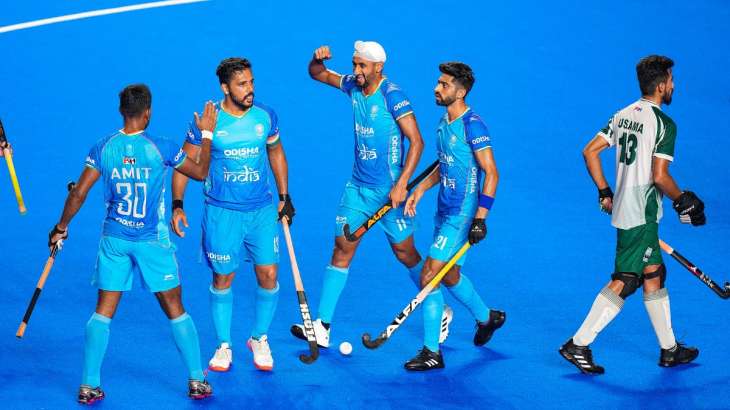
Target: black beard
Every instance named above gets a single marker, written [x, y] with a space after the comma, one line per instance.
[667, 99]
[241, 104]
[445, 102]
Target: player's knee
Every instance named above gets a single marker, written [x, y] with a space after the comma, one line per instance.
[631, 282]
[452, 278]
[406, 253]
[221, 281]
[266, 276]
[660, 273]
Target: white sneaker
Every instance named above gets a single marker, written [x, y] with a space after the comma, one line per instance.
[320, 332]
[222, 359]
[261, 353]
[446, 319]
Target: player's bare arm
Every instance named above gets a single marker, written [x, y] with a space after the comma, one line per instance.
[591, 155]
[409, 128]
[485, 159]
[280, 169]
[429, 182]
[318, 71]
[74, 201]
[689, 207]
[663, 180]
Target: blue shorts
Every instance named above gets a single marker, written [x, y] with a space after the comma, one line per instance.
[359, 203]
[118, 259]
[226, 231]
[449, 234]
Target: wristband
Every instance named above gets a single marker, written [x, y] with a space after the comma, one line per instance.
[177, 203]
[206, 135]
[284, 197]
[486, 201]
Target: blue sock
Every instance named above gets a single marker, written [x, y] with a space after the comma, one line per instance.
[415, 273]
[464, 292]
[433, 308]
[221, 307]
[334, 281]
[266, 301]
[97, 338]
[186, 339]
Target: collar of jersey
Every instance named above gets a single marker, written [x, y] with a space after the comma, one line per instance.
[650, 102]
[376, 88]
[460, 115]
[234, 115]
[132, 134]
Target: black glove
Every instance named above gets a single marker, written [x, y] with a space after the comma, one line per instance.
[478, 231]
[690, 209]
[603, 194]
[288, 209]
[55, 231]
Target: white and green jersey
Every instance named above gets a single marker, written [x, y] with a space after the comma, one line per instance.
[642, 132]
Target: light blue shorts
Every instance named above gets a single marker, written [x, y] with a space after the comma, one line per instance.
[118, 259]
[359, 203]
[226, 232]
[449, 234]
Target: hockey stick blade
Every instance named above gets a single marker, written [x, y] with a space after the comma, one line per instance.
[723, 293]
[372, 344]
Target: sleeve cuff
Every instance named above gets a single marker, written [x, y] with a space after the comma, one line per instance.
[664, 156]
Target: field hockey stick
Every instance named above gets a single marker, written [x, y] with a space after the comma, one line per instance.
[721, 292]
[41, 282]
[403, 315]
[359, 232]
[303, 306]
[11, 170]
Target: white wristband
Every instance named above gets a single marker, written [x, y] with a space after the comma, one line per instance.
[207, 135]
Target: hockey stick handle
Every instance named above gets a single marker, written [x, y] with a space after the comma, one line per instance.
[724, 293]
[302, 298]
[360, 231]
[14, 180]
[36, 293]
[420, 297]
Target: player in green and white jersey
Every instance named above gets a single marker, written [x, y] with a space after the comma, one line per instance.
[644, 137]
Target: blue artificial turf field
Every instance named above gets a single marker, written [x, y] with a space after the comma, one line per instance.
[549, 74]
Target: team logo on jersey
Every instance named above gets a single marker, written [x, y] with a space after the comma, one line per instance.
[129, 150]
[90, 161]
[446, 158]
[365, 154]
[452, 140]
[637, 108]
[129, 160]
[245, 175]
[259, 128]
[373, 111]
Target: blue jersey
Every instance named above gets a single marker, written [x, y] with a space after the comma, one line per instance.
[239, 163]
[378, 138]
[461, 175]
[133, 168]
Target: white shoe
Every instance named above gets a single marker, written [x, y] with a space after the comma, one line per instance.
[261, 353]
[320, 332]
[222, 359]
[446, 319]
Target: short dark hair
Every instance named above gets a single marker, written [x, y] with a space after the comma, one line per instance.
[461, 72]
[651, 71]
[134, 100]
[229, 66]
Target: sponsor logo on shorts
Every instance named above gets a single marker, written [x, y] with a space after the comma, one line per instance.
[276, 244]
[169, 277]
[341, 220]
[129, 160]
[179, 155]
[647, 254]
[245, 175]
[365, 153]
[401, 223]
[218, 257]
[242, 153]
[130, 224]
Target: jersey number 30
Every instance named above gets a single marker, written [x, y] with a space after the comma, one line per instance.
[131, 206]
[628, 148]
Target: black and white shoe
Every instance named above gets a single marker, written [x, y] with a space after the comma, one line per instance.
[89, 395]
[486, 330]
[425, 360]
[679, 354]
[321, 332]
[581, 357]
[198, 390]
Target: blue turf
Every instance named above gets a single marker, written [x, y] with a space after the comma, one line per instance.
[549, 76]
